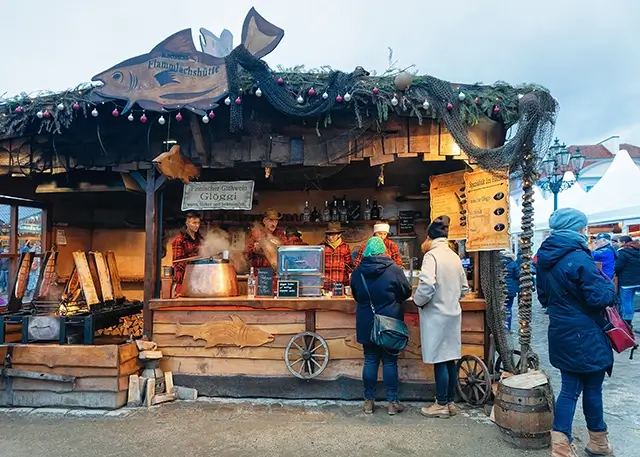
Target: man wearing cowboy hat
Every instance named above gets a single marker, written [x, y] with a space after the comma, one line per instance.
[337, 257]
[381, 230]
[254, 251]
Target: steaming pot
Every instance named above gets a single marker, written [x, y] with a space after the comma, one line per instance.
[210, 278]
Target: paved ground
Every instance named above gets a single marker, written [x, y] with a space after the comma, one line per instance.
[268, 428]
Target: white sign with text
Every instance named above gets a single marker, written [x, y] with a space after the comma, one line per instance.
[225, 195]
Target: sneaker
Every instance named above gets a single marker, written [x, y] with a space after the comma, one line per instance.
[453, 409]
[394, 408]
[436, 410]
[368, 406]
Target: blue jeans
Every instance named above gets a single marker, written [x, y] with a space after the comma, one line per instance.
[508, 313]
[626, 302]
[446, 376]
[372, 356]
[573, 384]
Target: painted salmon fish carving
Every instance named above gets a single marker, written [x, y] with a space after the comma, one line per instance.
[233, 332]
[174, 74]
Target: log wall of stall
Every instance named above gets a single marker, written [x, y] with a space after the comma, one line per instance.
[101, 372]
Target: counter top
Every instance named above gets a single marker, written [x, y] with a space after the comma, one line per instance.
[343, 304]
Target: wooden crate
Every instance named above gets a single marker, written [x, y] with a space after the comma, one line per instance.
[101, 372]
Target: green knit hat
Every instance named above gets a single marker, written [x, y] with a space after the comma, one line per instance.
[375, 246]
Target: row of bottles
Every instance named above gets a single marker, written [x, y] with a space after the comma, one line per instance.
[340, 211]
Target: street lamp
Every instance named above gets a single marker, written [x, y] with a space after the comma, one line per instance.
[557, 162]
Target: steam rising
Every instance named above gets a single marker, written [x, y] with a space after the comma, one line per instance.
[217, 240]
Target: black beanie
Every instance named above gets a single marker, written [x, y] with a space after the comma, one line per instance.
[439, 228]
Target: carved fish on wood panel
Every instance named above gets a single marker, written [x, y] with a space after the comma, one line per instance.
[174, 74]
[173, 164]
[414, 346]
[233, 332]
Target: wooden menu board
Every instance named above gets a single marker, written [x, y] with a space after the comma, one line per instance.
[446, 197]
[488, 211]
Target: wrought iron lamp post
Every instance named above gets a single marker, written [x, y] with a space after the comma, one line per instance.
[557, 162]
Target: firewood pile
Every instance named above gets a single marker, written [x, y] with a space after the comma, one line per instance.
[128, 326]
[154, 386]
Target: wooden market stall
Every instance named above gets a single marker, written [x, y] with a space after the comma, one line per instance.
[118, 168]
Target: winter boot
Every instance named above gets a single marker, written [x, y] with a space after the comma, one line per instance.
[561, 446]
[598, 444]
[368, 406]
[453, 409]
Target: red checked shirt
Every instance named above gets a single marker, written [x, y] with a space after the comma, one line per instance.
[184, 246]
[257, 258]
[337, 264]
[392, 251]
[295, 241]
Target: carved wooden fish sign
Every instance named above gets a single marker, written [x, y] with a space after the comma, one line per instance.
[233, 332]
[174, 74]
[173, 164]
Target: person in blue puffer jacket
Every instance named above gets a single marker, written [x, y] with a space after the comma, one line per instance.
[575, 293]
[605, 253]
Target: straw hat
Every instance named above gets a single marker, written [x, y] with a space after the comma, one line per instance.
[272, 214]
[334, 228]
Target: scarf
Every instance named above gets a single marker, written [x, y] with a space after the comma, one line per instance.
[335, 244]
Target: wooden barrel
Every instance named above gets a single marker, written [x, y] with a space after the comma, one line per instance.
[523, 414]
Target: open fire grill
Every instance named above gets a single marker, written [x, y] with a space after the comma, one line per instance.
[92, 300]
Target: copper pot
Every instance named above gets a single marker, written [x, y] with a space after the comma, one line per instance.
[210, 278]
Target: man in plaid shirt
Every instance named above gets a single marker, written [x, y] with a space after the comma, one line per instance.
[381, 230]
[253, 251]
[186, 244]
[337, 257]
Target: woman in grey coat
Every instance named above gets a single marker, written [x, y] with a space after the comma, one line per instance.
[443, 283]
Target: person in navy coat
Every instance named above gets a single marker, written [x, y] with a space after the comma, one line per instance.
[575, 292]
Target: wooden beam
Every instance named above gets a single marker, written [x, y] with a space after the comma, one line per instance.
[139, 179]
[150, 248]
[198, 139]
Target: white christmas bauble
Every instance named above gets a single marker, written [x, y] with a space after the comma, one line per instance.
[394, 101]
[258, 92]
[94, 113]
[130, 117]
[39, 115]
[205, 119]
[60, 107]
[520, 96]
[426, 105]
[325, 96]
[162, 120]
[300, 100]
[461, 96]
[347, 97]
[227, 101]
[403, 80]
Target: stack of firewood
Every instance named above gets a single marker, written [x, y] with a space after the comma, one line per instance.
[128, 326]
[143, 391]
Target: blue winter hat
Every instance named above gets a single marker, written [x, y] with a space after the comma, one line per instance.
[568, 219]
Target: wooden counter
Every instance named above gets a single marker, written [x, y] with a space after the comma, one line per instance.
[247, 340]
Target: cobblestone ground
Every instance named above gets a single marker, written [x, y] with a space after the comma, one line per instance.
[621, 399]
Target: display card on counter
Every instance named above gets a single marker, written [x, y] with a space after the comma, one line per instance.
[288, 289]
[264, 282]
[338, 289]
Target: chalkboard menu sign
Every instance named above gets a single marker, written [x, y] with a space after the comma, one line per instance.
[264, 283]
[287, 289]
[406, 222]
[338, 289]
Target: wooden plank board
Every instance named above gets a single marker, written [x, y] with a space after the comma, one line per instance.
[274, 329]
[378, 156]
[249, 317]
[95, 278]
[127, 352]
[101, 400]
[280, 149]
[334, 319]
[70, 356]
[85, 278]
[116, 283]
[408, 370]
[473, 321]
[261, 353]
[103, 276]
[166, 340]
[218, 366]
[127, 368]
[96, 384]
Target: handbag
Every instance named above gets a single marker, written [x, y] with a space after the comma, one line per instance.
[387, 332]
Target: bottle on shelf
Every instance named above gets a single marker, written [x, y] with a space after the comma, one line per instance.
[326, 212]
[344, 214]
[251, 284]
[306, 212]
[375, 210]
[367, 211]
[315, 215]
[335, 215]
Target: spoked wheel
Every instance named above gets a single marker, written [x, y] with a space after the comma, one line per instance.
[517, 359]
[306, 355]
[474, 380]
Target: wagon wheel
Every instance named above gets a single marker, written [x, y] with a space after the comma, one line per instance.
[306, 355]
[474, 380]
[499, 367]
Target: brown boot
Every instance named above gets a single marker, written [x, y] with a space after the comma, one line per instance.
[394, 408]
[368, 406]
[598, 444]
[453, 409]
[436, 410]
[561, 447]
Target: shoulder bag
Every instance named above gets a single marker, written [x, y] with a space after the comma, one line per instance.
[387, 332]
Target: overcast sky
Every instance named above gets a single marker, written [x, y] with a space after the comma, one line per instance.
[586, 52]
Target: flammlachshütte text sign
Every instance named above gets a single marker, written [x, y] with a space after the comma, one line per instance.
[226, 195]
[487, 211]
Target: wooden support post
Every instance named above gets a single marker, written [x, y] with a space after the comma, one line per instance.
[198, 139]
[150, 248]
